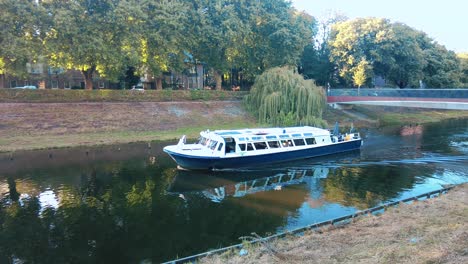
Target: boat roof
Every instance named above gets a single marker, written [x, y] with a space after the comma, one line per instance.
[269, 133]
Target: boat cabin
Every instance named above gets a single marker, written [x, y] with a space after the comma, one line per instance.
[245, 141]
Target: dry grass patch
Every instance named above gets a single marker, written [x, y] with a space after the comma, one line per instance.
[35, 125]
[430, 231]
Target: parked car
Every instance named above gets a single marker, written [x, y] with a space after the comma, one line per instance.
[138, 87]
[26, 87]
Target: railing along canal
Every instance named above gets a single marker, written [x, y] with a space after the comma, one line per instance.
[416, 93]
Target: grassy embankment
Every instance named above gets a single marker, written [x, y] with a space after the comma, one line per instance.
[429, 231]
[38, 119]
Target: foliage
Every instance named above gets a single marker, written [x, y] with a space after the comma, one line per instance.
[152, 37]
[443, 68]
[22, 25]
[463, 57]
[360, 74]
[283, 98]
[277, 37]
[88, 36]
[395, 51]
[315, 63]
[248, 35]
[159, 36]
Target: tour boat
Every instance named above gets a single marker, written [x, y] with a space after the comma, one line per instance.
[227, 149]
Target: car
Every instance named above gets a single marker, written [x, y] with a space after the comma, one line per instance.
[26, 87]
[138, 87]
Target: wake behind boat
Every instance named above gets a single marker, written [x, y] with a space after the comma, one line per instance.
[223, 149]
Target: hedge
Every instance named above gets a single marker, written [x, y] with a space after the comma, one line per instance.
[68, 96]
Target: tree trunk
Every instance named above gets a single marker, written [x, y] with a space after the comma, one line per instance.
[218, 79]
[2, 81]
[88, 75]
[159, 83]
[402, 84]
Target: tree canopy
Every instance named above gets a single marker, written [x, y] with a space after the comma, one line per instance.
[22, 30]
[252, 35]
[283, 98]
[151, 37]
[400, 54]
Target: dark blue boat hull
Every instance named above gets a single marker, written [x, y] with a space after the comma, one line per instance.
[209, 163]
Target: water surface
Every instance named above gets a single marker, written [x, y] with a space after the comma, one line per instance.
[129, 203]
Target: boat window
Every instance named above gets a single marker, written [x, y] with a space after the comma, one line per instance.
[286, 143]
[299, 142]
[241, 139]
[250, 146]
[220, 147]
[308, 134]
[271, 137]
[273, 144]
[202, 141]
[213, 144]
[260, 145]
[310, 141]
[296, 135]
[257, 138]
[231, 146]
[284, 136]
[242, 147]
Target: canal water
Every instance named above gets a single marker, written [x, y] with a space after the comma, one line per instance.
[130, 204]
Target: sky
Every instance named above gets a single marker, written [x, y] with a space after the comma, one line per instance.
[445, 21]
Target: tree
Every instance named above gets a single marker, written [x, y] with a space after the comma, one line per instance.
[278, 36]
[160, 37]
[361, 39]
[283, 98]
[248, 35]
[360, 74]
[22, 30]
[406, 56]
[315, 62]
[463, 57]
[218, 33]
[395, 51]
[443, 68]
[89, 36]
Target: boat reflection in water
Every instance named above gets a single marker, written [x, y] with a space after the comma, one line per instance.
[218, 188]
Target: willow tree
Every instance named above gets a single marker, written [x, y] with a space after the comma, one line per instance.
[283, 98]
